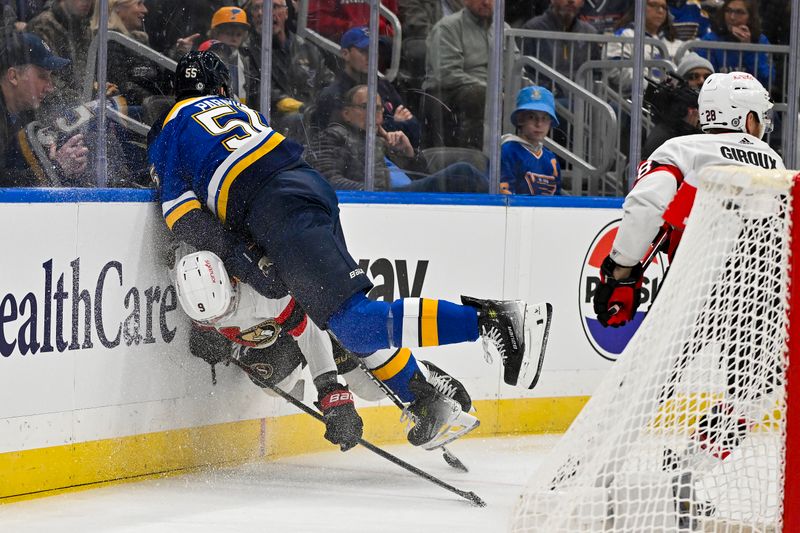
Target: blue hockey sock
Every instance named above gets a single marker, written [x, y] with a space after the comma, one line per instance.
[420, 322]
[395, 368]
[361, 325]
[365, 326]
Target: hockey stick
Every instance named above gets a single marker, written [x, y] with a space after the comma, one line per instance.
[449, 458]
[255, 376]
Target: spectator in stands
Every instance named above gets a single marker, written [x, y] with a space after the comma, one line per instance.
[299, 74]
[178, 26]
[229, 29]
[565, 56]
[134, 78]
[689, 18]
[26, 64]
[457, 68]
[527, 166]
[332, 18]
[694, 70]
[657, 26]
[418, 17]
[673, 106]
[396, 116]
[17, 13]
[604, 15]
[342, 152]
[738, 21]
[255, 14]
[65, 28]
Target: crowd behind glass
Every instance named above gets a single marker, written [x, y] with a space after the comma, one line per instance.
[431, 128]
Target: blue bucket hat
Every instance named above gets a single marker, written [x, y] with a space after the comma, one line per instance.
[535, 98]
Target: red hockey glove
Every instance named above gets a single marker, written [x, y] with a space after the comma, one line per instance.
[616, 300]
[343, 426]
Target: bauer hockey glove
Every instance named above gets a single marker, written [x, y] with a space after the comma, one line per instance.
[616, 300]
[343, 426]
[248, 265]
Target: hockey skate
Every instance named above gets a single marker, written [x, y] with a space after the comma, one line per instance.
[437, 419]
[518, 332]
[449, 386]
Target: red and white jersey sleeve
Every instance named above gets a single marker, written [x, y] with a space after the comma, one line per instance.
[662, 174]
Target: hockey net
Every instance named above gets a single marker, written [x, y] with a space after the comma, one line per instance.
[688, 431]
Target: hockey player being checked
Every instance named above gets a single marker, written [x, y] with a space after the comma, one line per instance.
[735, 113]
[274, 337]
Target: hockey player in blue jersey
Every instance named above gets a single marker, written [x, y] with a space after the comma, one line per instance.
[226, 178]
[527, 167]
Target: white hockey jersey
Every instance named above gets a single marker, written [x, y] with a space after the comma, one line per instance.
[661, 175]
[256, 321]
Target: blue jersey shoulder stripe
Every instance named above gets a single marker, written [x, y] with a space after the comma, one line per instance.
[221, 181]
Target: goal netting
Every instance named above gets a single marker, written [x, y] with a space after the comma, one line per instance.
[688, 431]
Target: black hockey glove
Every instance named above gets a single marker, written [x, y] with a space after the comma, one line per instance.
[209, 345]
[343, 426]
[248, 265]
[616, 300]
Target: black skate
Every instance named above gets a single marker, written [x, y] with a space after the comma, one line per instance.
[446, 384]
[518, 333]
[437, 419]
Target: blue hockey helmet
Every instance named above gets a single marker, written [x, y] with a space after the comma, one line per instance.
[535, 98]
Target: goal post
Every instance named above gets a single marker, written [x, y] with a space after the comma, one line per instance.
[692, 430]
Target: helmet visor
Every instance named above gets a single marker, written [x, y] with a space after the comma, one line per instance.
[766, 120]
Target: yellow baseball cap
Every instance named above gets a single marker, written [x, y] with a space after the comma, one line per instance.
[229, 15]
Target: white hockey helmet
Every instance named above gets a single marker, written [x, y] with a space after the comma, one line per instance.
[726, 99]
[204, 289]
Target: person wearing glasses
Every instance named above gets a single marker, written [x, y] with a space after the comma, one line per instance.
[355, 56]
[398, 165]
[738, 21]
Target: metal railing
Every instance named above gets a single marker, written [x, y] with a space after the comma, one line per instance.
[326, 44]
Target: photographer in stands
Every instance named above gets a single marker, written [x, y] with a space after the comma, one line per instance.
[673, 104]
[26, 66]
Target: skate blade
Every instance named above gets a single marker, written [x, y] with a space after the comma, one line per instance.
[463, 424]
[536, 327]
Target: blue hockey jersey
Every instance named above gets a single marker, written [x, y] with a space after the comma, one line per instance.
[525, 169]
[204, 146]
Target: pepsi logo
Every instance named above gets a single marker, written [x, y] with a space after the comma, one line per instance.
[610, 342]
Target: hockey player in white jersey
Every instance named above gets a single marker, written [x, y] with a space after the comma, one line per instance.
[275, 337]
[735, 113]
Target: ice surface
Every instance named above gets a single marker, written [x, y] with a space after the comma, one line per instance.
[331, 492]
